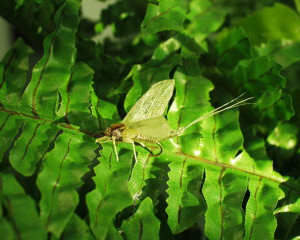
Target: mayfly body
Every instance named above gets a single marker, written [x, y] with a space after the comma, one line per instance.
[145, 122]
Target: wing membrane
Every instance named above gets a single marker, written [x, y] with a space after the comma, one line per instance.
[152, 104]
[156, 127]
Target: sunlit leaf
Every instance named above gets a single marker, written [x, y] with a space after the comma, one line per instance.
[168, 15]
[271, 23]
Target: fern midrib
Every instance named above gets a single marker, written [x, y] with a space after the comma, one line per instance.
[60, 125]
[221, 175]
[255, 211]
[34, 112]
[55, 186]
[224, 165]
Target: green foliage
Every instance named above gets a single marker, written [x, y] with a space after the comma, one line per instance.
[231, 176]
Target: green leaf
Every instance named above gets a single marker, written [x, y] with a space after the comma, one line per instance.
[232, 49]
[79, 87]
[148, 178]
[282, 52]
[31, 19]
[9, 127]
[272, 23]
[205, 17]
[284, 138]
[259, 209]
[62, 169]
[6, 229]
[24, 220]
[271, 103]
[293, 205]
[13, 71]
[288, 209]
[143, 224]
[144, 75]
[269, 26]
[31, 146]
[45, 96]
[168, 15]
[113, 233]
[77, 229]
[297, 5]
[111, 194]
[224, 191]
[140, 174]
[185, 204]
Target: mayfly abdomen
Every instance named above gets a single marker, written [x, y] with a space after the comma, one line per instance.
[140, 138]
[151, 139]
[129, 135]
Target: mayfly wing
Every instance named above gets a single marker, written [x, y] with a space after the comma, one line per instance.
[156, 128]
[153, 103]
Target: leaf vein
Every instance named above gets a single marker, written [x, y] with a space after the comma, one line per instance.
[158, 15]
[255, 212]
[6, 66]
[29, 142]
[57, 180]
[221, 200]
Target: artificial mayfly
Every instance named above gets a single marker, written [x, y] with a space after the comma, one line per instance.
[145, 122]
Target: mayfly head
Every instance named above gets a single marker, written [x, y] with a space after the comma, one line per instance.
[113, 132]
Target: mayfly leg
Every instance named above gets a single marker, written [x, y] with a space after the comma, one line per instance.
[152, 154]
[128, 140]
[115, 148]
[160, 150]
[113, 139]
[134, 151]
